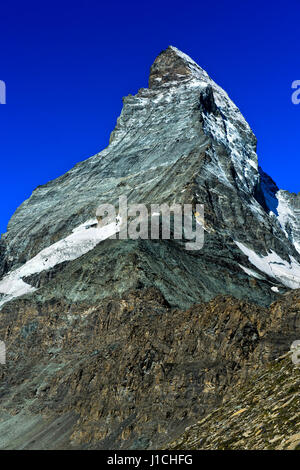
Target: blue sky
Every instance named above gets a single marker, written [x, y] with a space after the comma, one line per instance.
[67, 65]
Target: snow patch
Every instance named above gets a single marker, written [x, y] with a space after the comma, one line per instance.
[285, 213]
[250, 272]
[288, 273]
[84, 238]
[274, 289]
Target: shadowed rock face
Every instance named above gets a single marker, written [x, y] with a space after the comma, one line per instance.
[113, 344]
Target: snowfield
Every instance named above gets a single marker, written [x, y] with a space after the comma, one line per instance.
[83, 239]
[288, 273]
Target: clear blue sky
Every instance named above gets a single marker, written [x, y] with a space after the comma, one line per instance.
[68, 64]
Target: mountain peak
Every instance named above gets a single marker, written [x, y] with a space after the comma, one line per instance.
[172, 65]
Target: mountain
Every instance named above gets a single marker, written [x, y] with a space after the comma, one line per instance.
[113, 343]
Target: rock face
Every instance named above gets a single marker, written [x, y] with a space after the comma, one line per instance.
[110, 343]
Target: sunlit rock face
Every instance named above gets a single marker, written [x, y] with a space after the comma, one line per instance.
[65, 284]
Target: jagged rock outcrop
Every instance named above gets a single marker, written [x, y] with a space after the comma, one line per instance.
[109, 342]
